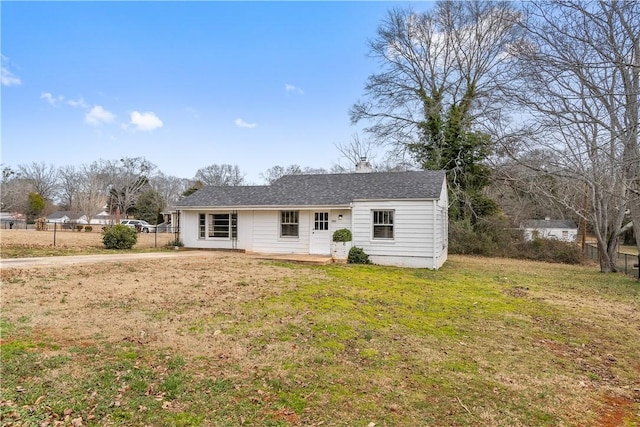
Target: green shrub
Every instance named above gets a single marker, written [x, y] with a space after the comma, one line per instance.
[79, 227]
[88, 228]
[175, 242]
[342, 235]
[489, 236]
[550, 250]
[495, 237]
[119, 237]
[358, 256]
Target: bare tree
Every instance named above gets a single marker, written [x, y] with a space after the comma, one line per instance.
[92, 191]
[127, 178]
[530, 188]
[440, 74]
[579, 83]
[308, 170]
[14, 191]
[69, 179]
[276, 172]
[43, 177]
[168, 189]
[356, 149]
[220, 175]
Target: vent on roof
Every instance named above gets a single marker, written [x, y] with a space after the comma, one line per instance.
[363, 166]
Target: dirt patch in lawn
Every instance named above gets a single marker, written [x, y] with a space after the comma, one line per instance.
[186, 303]
[615, 411]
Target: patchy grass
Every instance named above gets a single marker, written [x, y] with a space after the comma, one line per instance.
[31, 243]
[224, 340]
[29, 251]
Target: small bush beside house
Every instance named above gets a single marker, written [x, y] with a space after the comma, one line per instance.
[175, 243]
[342, 235]
[119, 237]
[341, 243]
[358, 256]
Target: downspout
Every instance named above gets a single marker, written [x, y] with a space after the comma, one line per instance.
[177, 230]
[351, 225]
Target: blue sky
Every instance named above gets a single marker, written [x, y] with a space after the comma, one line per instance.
[184, 84]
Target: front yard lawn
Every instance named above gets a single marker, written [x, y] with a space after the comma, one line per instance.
[227, 340]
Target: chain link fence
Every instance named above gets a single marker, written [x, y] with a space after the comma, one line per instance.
[72, 234]
[626, 263]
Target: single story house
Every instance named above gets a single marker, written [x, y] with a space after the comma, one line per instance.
[560, 229]
[11, 218]
[397, 218]
[63, 217]
[72, 217]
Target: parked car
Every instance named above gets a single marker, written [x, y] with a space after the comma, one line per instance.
[139, 225]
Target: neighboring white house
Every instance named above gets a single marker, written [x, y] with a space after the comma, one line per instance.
[547, 228]
[10, 218]
[397, 218]
[70, 217]
[63, 217]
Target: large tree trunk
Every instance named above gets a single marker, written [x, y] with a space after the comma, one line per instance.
[608, 255]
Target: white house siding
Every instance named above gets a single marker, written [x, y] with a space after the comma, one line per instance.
[245, 230]
[441, 246]
[189, 231]
[552, 233]
[266, 233]
[335, 223]
[259, 231]
[417, 228]
[420, 231]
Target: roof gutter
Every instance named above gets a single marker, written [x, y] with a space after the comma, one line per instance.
[262, 207]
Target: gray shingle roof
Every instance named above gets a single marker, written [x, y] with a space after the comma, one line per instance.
[62, 214]
[549, 223]
[323, 190]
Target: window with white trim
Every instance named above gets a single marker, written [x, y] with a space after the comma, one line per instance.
[219, 225]
[289, 224]
[321, 221]
[383, 224]
[202, 225]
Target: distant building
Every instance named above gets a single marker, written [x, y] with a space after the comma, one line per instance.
[559, 229]
[10, 218]
[70, 217]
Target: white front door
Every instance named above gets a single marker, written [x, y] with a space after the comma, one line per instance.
[320, 239]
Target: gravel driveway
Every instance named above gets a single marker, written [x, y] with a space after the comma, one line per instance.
[90, 259]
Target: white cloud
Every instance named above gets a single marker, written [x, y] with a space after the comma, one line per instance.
[78, 103]
[291, 88]
[98, 115]
[7, 77]
[145, 121]
[53, 100]
[242, 124]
